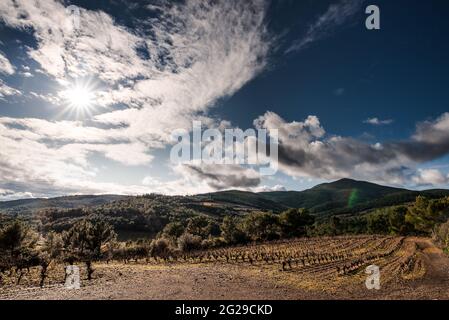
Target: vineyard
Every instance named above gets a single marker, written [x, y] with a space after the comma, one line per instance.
[329, 260]
[325, 264]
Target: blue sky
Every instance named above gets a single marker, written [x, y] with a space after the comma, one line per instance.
[89, 105]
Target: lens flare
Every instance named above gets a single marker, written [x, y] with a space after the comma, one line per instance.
[353, 198]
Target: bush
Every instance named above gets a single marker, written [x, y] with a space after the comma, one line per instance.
[211, 243]
[188, 242]
[441, 236]
[160, 248]
[425, 214]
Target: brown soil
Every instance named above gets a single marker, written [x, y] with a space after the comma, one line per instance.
[429, 279]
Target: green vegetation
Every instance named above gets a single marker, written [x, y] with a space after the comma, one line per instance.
[418, 218]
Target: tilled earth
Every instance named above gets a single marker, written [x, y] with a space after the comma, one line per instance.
[217, 281]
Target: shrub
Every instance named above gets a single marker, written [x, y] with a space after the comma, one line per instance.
[211, 243]
[160, 248]
[188, 242]
[441, 235]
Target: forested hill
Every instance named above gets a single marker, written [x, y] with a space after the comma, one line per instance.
[342, 196]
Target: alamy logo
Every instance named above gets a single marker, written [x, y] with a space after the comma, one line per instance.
[373, 20]
[72, 280]
[240, 147]
[73, 14]
[373, 280]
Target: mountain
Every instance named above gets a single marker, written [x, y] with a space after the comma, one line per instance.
[341, 193]
[342, 196]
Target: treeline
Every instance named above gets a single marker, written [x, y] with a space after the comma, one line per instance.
[422, 218]
[258, 226]
[22, 248]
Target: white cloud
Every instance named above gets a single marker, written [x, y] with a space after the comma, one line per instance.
[305, 151]
[6, 90]
[6, 195]
[26, 74]
[378, 122]
[5, 66]
[335, 16]
[431, 177]
[275, 188]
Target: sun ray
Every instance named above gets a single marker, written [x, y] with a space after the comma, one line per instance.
[79, 98]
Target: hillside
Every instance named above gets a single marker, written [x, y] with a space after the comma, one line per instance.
[248, 199]
[148, 214]
[29, 206]
[344, 194]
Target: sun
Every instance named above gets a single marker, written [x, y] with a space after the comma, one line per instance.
[78, 96]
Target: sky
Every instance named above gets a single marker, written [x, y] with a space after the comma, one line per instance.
[92, 91]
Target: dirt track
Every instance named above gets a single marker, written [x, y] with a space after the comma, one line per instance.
[234, 281]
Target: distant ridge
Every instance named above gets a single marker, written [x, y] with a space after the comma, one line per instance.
[347, 195]
[338, 197]
[27, 206]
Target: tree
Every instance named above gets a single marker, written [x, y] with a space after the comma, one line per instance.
[294, 222]
[202, 226]
[261, 226]
[425, 214]
[231, 231]
[18, 247]
[85, 239]
[50, 251]
[173, 230]
[396, 220]
[378, 223]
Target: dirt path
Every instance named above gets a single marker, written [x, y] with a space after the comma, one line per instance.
[186, 282]
[434, 285]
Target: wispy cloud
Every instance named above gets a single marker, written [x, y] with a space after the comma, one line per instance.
[195, 53]
[335, 16]
[378, 122]
[5, 66]
[6, 90]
